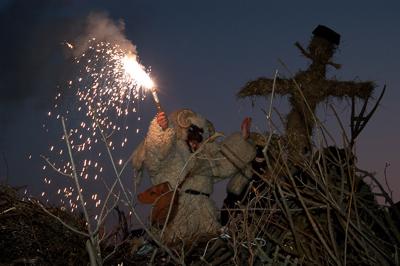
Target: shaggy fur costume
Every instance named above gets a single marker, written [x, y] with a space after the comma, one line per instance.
[167, 157]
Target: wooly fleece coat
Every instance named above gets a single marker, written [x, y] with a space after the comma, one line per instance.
[166, 157]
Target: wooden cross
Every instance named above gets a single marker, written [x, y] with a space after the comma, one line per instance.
[308, 88]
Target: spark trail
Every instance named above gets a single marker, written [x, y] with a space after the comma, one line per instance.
[110, 84]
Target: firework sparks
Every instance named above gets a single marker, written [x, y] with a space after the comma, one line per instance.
[136, 71]
[115, 80]
[70, 46]
[110, 84]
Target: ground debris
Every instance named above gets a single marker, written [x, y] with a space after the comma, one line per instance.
[29, 236]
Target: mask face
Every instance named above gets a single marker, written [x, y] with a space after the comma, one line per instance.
[194, 137]
[259, 163]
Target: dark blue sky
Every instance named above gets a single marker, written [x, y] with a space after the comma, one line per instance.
[201, 53]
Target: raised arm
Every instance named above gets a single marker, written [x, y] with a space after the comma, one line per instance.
[161, 137]
[232, 155]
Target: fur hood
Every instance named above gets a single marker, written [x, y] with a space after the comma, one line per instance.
[181, 119]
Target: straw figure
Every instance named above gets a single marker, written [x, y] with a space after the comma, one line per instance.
[308, 88]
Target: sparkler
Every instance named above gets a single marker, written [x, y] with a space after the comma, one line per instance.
[138, 73]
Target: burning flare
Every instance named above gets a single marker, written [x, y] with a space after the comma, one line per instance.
[140, 77]
[137, 72]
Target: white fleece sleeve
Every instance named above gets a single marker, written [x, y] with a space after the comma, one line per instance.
[229, 157]
[158, 142]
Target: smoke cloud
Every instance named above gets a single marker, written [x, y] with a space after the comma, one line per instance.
[35, 62]
[34, 58]
[101, 27]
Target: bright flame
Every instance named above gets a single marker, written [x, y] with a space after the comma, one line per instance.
[137, 72]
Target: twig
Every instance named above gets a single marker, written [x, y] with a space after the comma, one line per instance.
[289, 217]
[153, 256]
[358, 123]
[117, 176]
[385, 194]
[8, 210]
[330, 229]
[109, 210]
[111, 191]
[344, 215]
[93, 241]
[52, 165]
[348, 219]
[379, 222]
[92, 256]
[340, 123]
[386, 180]
[312, 222]
[274, 210]
[61, 221]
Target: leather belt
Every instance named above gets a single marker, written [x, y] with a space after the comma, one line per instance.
[195, 192]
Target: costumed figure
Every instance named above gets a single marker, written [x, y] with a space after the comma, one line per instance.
[182, 151]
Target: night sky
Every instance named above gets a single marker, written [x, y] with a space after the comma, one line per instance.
[201, 53]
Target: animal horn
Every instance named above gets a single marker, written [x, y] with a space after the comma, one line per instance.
[210, 127]
[183, 118]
